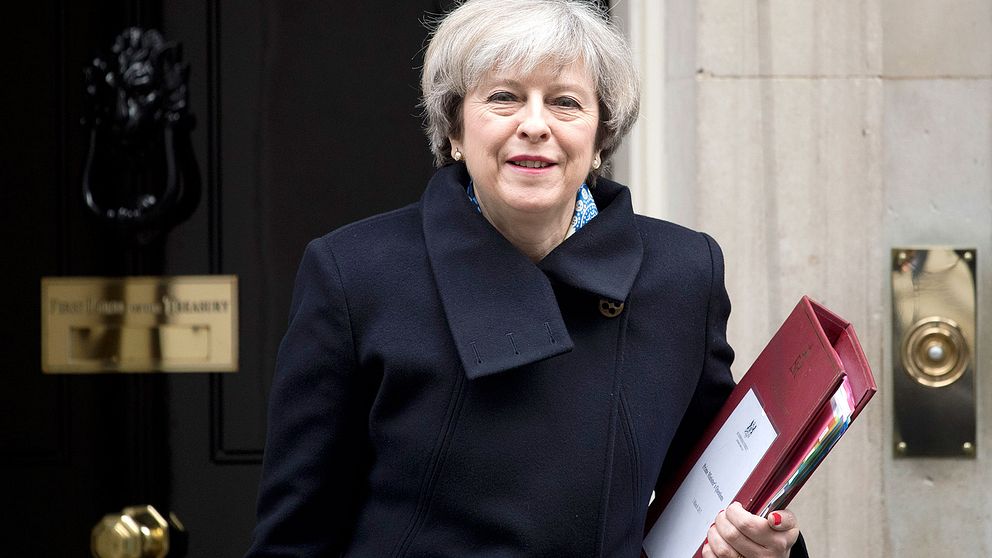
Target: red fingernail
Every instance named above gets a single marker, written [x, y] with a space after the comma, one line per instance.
[778, 518]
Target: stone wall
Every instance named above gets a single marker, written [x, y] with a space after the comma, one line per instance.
[822, 134]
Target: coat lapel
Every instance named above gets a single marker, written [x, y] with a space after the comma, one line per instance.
[604, 256]
[501, 308]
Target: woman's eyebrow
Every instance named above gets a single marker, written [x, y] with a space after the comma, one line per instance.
[493, 82]
[555, 85]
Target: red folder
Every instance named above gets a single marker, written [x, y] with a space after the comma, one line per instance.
[794, 378]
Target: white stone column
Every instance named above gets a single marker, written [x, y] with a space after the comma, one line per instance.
[658, 159]
[790, 184]
[822, 134]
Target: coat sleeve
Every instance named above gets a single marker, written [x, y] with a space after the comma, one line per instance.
[715, 381]
[317, 450]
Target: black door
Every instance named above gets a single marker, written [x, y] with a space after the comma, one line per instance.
[306, 119]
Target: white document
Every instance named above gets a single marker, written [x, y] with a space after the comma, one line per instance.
[712, 482]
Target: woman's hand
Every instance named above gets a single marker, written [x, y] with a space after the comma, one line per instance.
[736, 533]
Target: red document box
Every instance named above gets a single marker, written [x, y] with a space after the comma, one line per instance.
[794, 378]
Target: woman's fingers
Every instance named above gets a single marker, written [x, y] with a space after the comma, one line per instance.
[736, 532]
[729, 535]
[782, 520]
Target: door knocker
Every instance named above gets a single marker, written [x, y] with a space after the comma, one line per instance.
[140, 175]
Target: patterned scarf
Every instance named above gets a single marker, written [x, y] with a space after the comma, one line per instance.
[585, 207]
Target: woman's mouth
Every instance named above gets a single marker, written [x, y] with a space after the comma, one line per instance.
[531, 164]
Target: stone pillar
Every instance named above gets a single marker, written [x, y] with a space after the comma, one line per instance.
[658, 160]
[790, 183]
[823, 134]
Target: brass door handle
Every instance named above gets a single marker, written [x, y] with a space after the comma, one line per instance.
[138, 532]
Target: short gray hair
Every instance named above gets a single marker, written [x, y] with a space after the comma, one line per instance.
[480, 36]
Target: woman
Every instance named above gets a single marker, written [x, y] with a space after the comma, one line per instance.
[509, 366]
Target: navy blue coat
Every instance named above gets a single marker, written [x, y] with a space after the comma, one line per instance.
[438, 394]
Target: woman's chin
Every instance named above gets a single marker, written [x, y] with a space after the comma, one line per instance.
[534, 198]
[543, 210]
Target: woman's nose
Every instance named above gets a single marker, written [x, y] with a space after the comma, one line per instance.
[534, 123]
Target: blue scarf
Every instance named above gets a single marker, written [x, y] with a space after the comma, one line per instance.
[585, 207]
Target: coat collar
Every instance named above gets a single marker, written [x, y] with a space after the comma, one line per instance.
[500, 306]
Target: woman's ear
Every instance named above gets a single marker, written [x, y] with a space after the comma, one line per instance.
[596, 161]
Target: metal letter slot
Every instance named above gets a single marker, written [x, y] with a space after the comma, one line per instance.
[933, 351]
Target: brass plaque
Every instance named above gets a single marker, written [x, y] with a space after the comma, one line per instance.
[139, 324]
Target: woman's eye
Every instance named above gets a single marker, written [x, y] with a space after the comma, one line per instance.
[501, 97]
[567, 102]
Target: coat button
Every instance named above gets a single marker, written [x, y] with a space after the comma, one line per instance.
[610, 308]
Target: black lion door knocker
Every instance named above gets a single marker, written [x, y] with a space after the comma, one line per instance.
[140, 175]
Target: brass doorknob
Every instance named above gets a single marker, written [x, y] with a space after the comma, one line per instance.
[135, 532]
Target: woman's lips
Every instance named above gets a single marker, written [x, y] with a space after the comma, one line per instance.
[547, 167]
[530, 164]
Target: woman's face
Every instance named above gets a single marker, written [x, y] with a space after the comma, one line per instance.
[529, 141]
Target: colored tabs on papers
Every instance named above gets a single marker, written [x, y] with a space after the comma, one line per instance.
[832, 423]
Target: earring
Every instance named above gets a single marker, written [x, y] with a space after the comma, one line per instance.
[457, 155]
[596, 162]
